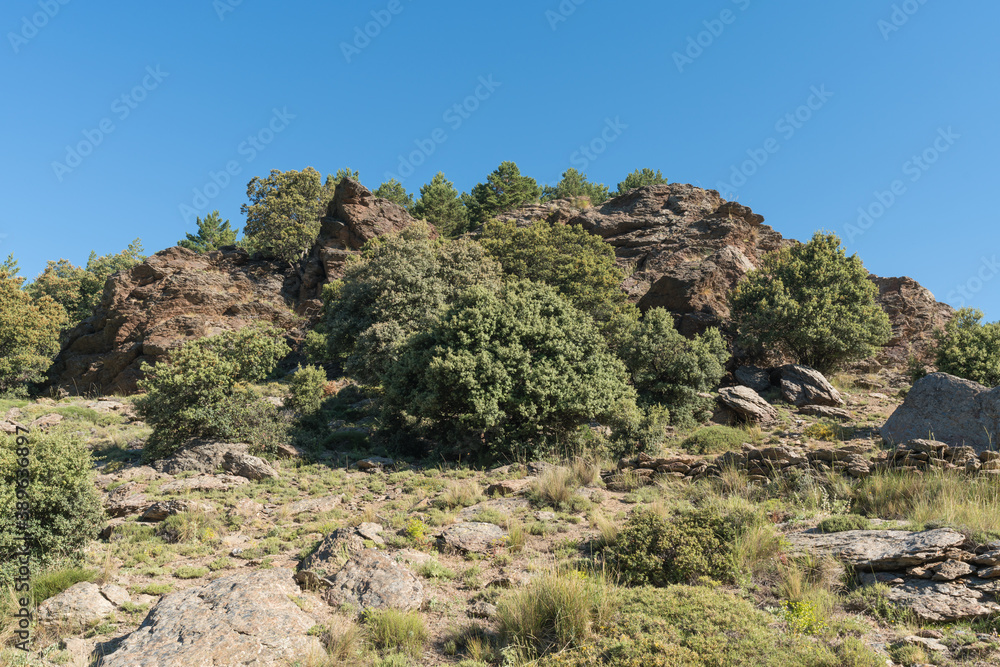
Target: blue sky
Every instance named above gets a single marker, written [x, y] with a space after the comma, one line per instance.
[874, 119]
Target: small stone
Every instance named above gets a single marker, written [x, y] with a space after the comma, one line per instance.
[927, 643]
[115, 594]
[950, 570]
[989, 573]
[482, 609]
[370, 531]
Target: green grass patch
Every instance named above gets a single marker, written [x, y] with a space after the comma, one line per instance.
[838, 524]
[190, 572]
[54, 582]
[715, 440]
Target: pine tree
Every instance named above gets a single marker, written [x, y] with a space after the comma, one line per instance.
[574, 185]
[394, 191]
[212, 234]
[440, 205]
[504, 190]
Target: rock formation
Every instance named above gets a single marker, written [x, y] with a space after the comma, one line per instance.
[178, 295]
[915, 314]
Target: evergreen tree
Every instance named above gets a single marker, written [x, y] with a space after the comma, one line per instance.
[440, 205]
[283, 216]
[504, 190]
[29, 332]
[394, 191]
[574, 185]
[212, 234]
[641, 178]
[810, 302]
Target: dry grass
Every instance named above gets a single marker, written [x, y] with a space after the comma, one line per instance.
[460, 494]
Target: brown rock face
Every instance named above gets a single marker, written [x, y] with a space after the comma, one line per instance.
[178, 295]
[685, 248]
[914, 313]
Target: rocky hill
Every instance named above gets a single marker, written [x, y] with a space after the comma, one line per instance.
[684, 248]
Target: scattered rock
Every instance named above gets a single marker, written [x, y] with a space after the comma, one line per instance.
[505, 505]
[204, 483]
[161, 510]
[205, 456]
[373, 463]
[747, 404]
[126, 501]
[372, 580]
[472, 536]
[942, 602]
[926, 642]
[876, 550]
[243, 619]
[509, 487]
[115, 594]
[950, 570]
[825, 412]
[245, 465]
[370, 531]
[312, 505]
[11, 427]
[331, 554]
[46, 422]
[79, 606]
[482, 609]
[801, 385]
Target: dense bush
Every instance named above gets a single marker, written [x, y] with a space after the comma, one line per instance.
[307, 389]
[402, 285]
[579, 265]
[654, 550]
[714, 440]
[522, 369]
[969, 348]
[842, 522]
[29, 333]
[283, 216]
[641, 178]
[671, 370]
[813, 303]
[202, 391]
[66, 510]
[504, 190]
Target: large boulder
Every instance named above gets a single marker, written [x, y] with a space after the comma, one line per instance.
[80, 606]
[243, 619]
[205, 456]
[947, 409]
[881, 550]
[372, 580]
[747, 404]
[801, 385]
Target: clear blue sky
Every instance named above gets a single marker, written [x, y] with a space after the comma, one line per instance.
[201, 77]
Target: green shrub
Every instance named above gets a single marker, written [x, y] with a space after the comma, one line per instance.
[520, 371]
[190, 572]
[283, 216]
[579, 265]
[838, 524]
[969, 348]
[683, 626]
[66, 511]
[810, 302]
[201, 391]
[29, 333]
[307, 389]
[402, 285]
[651, 549]
[52, 583]
[440, 205]
[715, 440]
[671, 370]
[554, 611]
[874, 600]
[575, 186]
[392, 629]
[640, 178]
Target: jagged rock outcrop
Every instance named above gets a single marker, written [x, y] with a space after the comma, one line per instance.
[684, 247]
[948, 409]
[178, 295]
[915, 314]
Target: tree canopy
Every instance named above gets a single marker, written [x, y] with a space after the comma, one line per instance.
[505, 189]
[212, 234]
[641, 178]
[575, 185]
[283, 216]
[440, 205]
